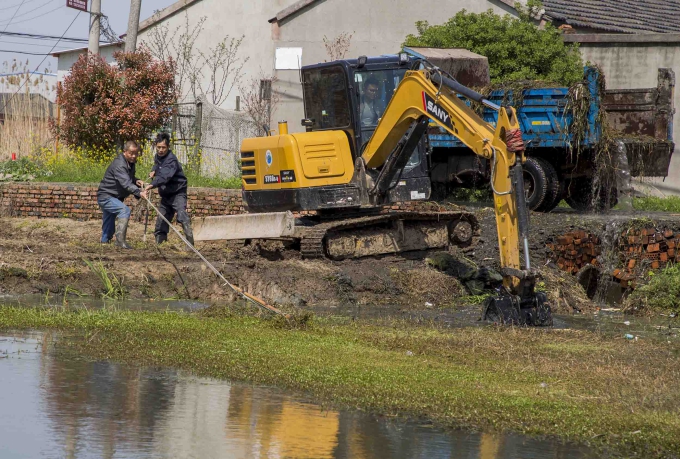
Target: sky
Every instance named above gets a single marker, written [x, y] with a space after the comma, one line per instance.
[52, 17]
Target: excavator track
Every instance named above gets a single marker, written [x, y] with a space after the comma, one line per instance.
[462, 229]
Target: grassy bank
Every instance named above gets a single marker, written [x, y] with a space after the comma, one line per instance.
[71, 168]
[653, 204]
[579, 386]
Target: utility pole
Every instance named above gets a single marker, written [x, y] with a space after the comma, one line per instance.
[133, 26]
[95, 17]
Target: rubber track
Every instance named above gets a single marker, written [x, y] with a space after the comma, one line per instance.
[312, 243]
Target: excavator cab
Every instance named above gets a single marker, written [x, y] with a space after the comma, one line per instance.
[352, 95]
[314, 171]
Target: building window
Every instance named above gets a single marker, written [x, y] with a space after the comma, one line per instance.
[266, 89]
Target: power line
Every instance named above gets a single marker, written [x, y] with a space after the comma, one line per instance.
[33, 10]
[45, 37]
[24, 52]
[25, 44]
[41, 62]
[10, 7]
[15, 13]
[39, 16]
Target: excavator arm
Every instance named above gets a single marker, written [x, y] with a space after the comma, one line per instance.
[425, 95]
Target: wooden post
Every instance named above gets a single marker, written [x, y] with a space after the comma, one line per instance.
[198, 125]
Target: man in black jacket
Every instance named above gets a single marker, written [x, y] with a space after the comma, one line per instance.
[167, 175]
[118, 183]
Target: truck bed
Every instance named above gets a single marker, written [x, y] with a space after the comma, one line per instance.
[641, 118]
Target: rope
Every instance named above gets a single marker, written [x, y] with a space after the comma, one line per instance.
[247, 296]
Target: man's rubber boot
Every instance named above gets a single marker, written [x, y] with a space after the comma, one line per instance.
[161, 238]
[188, 234]
[121, 232]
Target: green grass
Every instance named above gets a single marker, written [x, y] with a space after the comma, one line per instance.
[653, 204]
[576, 385]
[660, 293]
[92, 172]
[84, 171]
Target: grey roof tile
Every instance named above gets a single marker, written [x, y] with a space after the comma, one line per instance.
[623, 16]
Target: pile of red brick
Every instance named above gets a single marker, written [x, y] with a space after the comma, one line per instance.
[647, 248]
[575, 250]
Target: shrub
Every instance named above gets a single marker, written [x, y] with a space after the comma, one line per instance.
[516, 48]
[104, 105]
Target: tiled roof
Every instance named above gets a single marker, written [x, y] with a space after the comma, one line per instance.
[622, 16]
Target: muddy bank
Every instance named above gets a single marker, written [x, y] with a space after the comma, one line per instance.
[47, 256]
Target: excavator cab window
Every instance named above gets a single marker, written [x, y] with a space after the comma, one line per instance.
[375, 89]
[326, 97]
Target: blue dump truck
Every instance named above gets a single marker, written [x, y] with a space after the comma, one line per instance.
[563, 129]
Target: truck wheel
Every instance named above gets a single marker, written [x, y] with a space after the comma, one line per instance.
[580, 196]
[538, 175]
[553, 194]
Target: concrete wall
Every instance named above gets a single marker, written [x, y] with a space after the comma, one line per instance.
[378, 27]
[635, 65]
[233, 18]
[66, 60]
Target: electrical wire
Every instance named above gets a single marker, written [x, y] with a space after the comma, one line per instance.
[26, 44]
[41, 63]
[45, 37]
[33, 10]
[15, 13]
[39, 16]
[25, 52]
[14, 6]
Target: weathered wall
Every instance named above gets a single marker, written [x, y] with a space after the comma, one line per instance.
[67, 59]
[377, 27]
[635, 65]
[63, 200]
[236, 19]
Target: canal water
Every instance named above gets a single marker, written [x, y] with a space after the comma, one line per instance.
[57, 405]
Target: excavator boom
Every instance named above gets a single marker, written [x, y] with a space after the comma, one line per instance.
[427, 95]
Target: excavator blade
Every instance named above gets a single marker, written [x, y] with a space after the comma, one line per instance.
[507, 309]
[244, 226]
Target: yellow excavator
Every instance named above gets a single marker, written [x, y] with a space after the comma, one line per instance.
[364, 150]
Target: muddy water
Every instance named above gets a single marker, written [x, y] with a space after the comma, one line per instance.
[55, 405]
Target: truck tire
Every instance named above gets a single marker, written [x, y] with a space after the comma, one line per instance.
[553, 195]
[540, 183]
[580, 196]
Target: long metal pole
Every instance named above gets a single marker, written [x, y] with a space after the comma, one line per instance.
[247, 296]
[95, 17]
[133, 26]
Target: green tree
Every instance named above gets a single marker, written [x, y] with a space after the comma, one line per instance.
[516, 48]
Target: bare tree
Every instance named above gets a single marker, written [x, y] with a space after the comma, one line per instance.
[338, 47]
[212, 74]
[260, 100]
[224, 68]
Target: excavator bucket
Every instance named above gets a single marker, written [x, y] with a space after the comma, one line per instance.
[511, 310]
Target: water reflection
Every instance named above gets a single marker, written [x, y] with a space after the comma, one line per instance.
[57, 405]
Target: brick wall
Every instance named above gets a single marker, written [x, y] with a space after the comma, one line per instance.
[79, 201]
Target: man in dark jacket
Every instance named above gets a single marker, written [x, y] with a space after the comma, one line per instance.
[167, 175]
[118, 183]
